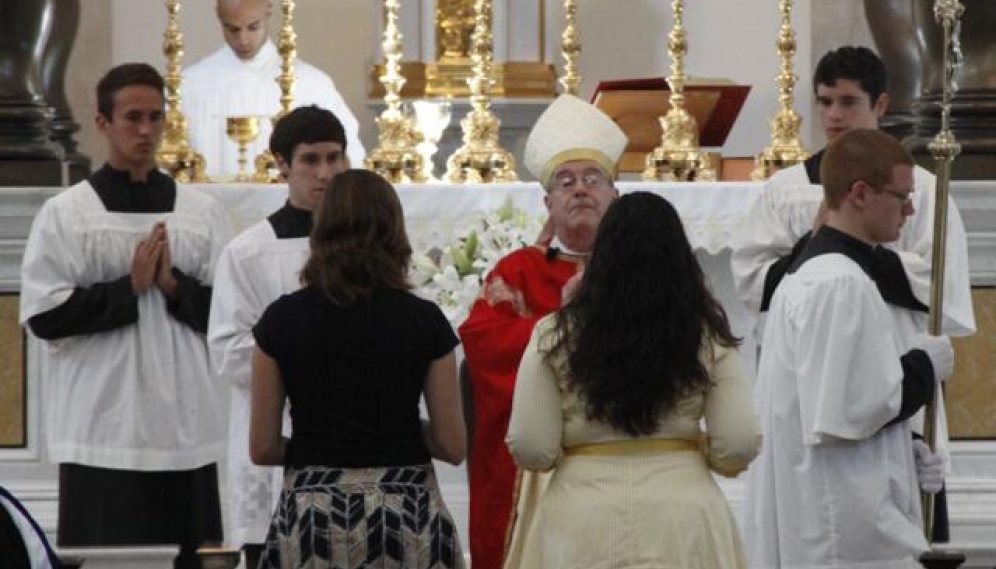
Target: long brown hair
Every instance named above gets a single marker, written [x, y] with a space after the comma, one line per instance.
[358, 242]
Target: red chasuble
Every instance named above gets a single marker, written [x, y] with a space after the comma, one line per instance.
[522, 288]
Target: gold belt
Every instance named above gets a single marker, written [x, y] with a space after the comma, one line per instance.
[631, 446]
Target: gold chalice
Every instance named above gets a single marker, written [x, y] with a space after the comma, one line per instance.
[242, 130]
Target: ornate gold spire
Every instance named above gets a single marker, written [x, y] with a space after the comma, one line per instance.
[678, 158]
[396, 157]
[174, 153]
[481, 158]
[570, 44]
[785, 149]
[287, 48]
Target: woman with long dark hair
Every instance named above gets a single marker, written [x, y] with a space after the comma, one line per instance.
[611, 391]
[353, 351]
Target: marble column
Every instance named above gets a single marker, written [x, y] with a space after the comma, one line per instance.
[54, 58]
[900, 46]
[973, 106]
[27, 154]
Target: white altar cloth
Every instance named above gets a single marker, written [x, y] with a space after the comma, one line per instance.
[434, 213]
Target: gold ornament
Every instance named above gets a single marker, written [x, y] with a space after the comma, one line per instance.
[265, 164]
[396, 157]
[242, 130]
[570, 44]
[481, 158]
[678, 158]
[785, 149]
[174, 154]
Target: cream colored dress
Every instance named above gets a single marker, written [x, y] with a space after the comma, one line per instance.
[647, 509]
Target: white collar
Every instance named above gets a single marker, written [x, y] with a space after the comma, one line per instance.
[263, 58]
[558, 244]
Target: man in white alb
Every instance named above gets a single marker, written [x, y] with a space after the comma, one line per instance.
[257, 267]
[850, 88]
[240, 79]
[116, 280]
[836, 485]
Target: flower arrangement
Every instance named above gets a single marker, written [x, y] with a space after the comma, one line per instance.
[452, 276]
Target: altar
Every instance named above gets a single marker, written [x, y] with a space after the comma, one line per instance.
[437, 215]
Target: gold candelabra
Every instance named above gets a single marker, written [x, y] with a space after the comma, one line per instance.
[678, 158]
[570, 45]
[265, 164]
[785, 149]
[396, 156]
[174, 154]
[944, 148]
[481, 158]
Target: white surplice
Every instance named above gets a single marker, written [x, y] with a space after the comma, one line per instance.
[254, 270]
[832, 488]
[784, 212]
[223, 85]
[141, 396]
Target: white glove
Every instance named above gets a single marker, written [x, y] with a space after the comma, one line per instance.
[930, 467]
[939, 351]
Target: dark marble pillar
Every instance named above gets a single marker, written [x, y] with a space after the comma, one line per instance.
[899, 44]
[54, 58]
[973, 106]
[27, 154]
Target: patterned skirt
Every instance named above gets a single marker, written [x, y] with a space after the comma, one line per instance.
[371, 518]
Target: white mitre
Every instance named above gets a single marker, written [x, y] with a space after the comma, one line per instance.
[571, 129]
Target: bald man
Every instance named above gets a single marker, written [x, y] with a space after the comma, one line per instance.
[240, 79]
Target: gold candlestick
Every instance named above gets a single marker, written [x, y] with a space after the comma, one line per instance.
[785, 149]
[396, 156]
[481, 158]
[570, 45]
[242, 130]
[265, 164]
[678, 158]
[944, 148]
[174, 154]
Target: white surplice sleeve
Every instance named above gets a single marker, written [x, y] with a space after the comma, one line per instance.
[53, 263]
[235, 309]
[778, 218]
[536, 427]
[849, 372]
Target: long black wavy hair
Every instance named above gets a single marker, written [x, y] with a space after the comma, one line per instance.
[632, 335]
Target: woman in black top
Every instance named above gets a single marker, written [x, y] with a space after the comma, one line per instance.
[353, 351]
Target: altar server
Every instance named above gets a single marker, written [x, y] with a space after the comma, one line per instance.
[836, 484]
[117, 281]
[572, 150]
[261, 264]
[850, 87]
[241, 79]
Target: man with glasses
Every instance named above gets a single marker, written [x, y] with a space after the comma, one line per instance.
[850, 87]
[572, 150]
[836, 483]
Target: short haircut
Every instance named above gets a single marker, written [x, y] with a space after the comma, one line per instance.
[860, 154]
[855, 63]
[122, 76]
[305, 125]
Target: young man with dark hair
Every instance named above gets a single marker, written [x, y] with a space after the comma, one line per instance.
[850, 84]
[836, 483]
[257, 267]
[116, 280]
